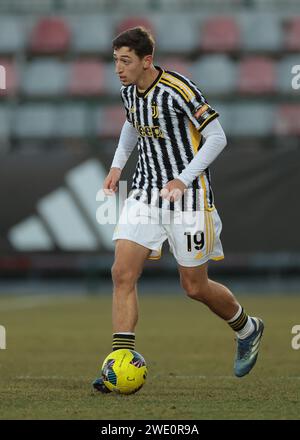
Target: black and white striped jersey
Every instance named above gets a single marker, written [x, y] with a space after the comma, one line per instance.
[169, 117]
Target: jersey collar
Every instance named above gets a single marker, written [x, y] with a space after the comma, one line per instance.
[155, 82]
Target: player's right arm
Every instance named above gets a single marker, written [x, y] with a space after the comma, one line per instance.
[127, 143]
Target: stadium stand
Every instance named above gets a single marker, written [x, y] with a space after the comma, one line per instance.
[72, 121]
[215, 74]
[12, 34]
[11, 76]
[257, 75]
[220, 34]
[240, 57]
[109, 121]
[171, 40]
[287, 120]
[5, 116]
[44, 77]
[252, 119]
[92, 34]
[35, 121]
[284, 74]
[87, 78]
[177, 64]
[261, 32]
[131, 22]
[292, 37]
[50, 35]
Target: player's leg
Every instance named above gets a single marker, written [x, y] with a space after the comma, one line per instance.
[127, 268]
[193, 245]
[199, 287]
[135, 240]
[222, 302]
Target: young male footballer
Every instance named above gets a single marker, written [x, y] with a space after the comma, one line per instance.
[178, 136]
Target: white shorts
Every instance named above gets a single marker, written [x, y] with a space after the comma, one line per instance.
[194, 238]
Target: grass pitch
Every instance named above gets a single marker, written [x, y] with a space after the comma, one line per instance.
[56, 345]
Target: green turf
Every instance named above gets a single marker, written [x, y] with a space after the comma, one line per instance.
[55, 349]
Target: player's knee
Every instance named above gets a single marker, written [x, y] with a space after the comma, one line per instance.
[122, 276]
[194, 290]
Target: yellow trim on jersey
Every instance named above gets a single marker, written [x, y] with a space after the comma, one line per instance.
[155, 258]
[182, 92]
[206, 234]
[180, 83]
[218, 258]
[203, 184]
[155, 84]
[213, 116]
[196, 137]
[199, 255]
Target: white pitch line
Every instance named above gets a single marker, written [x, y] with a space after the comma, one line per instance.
[154, 377]
[30, 302]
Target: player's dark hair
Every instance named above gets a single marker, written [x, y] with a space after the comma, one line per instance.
[138, 39]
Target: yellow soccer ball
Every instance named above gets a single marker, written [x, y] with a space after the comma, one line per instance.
[124, 371]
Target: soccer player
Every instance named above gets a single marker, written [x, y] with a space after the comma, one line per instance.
[178, 136]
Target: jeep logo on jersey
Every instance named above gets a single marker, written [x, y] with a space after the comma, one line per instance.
[147, 131]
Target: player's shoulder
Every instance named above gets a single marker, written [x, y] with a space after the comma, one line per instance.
[180, 84]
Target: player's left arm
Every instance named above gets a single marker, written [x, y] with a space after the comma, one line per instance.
[195, 107]
[215, 142]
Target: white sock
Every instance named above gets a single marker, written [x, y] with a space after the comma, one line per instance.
[247, 330]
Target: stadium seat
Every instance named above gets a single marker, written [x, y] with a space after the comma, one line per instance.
[92, 34]
[225, 114]
[12, 34]
[11, 77]
[206, 75]
[36, 121]
[109, 121]
[87, 78]
[112, 80]
[256, 75]
[44, 77]
[287, 120]
[177, 64]
[220, 34]
[292, 36]
[261, 32]
[176, 34]
[72, 121]
[284, 74]
[50, 35]
[252, 119]
[132, 21]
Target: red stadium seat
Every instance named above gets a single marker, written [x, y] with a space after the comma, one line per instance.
[133, 22]
[292, 41]
[112, 120]
[50, 35]
[256, 75]
[287, 120]
[11, 77]
[87, 78]
[220, 34]
[177, 64]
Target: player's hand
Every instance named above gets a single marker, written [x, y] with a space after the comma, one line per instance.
[110, 184]
[173, 190]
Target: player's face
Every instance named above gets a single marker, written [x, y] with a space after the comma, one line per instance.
[128, 66]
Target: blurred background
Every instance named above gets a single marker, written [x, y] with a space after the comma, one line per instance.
[61, 115]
